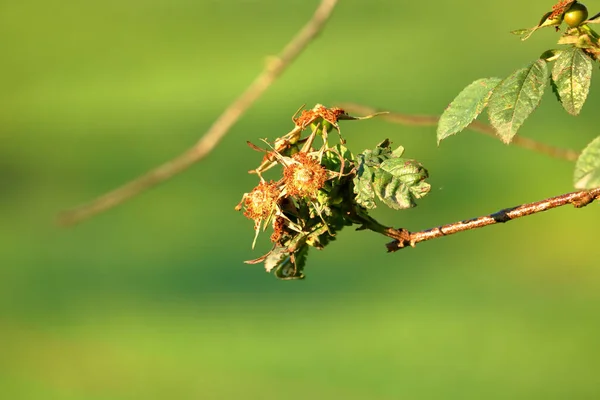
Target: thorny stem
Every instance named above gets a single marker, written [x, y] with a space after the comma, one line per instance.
[216, 132]
[403, 238]
[432, 120]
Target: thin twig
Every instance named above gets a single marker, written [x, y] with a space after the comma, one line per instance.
[403, 238]
[432, 120]
[216, 132]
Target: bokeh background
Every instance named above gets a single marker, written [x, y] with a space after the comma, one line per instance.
[151, 300]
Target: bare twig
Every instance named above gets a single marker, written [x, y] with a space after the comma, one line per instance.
[432, 120]
[216, 132]
[403, 238]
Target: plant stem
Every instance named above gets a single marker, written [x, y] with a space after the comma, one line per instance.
[216, 132]
[432, 120]
[403, 238]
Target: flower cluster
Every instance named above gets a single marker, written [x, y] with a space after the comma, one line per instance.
[322, 189]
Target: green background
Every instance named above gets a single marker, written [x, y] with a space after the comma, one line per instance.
[151, 299]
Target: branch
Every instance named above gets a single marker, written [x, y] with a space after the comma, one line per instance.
[403, 238]
[216, 132]
[432, 120]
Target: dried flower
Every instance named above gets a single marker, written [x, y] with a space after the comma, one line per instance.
[304, 177]
[261, 201]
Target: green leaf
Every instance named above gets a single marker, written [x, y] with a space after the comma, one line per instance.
[572, 75]
[593, 20]
[396, 181]
[555, 89]
[551, 55]
[544, 21]
[382, 152]
[465, 107]
[398, 152]
[399, 182]
[515, 98]
[587, 168]
[363, 184]
[332, 161]
[363, 181]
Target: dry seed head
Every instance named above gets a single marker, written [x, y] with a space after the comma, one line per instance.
[261, 201]
[330, 115]
[304, 177]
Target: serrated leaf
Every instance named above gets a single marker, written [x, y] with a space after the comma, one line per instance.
[515, 98]
[396, 181]
[399, 182]
[363, 185]
[379, 154]
[465, 107]
[587, 168]
[572, 75]
[363, 181]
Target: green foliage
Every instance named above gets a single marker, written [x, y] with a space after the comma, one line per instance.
[587, 169]
[398, 182]
[571, 77]
[512, 101]
[163, 308]
[466, 107]
[547, 20]
[324, 189]
[515, 98]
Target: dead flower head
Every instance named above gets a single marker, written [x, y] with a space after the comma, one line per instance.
[304, 177]
[261, 201]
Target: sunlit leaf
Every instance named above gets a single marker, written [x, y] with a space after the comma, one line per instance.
[363, 185]
[363, 181]
[572, 75]
[396, 181]
[551, 55]
[515, 98]
[465, 107]
[399, 182]
[587, 168]
[544, 21]
[333, 160]
[555, 89]
[379, 154]
[593, 20]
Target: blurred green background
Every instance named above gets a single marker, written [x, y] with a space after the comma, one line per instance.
[151, 300]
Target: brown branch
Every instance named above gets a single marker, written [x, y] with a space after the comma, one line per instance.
[403, 238]
[216, 132]
[432, 120]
